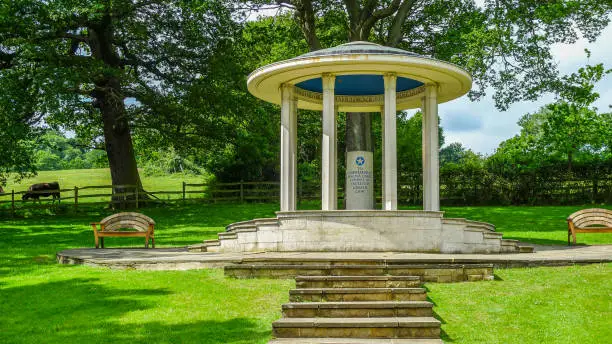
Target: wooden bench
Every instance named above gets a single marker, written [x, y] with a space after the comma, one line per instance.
[589, 221]
[125, 225]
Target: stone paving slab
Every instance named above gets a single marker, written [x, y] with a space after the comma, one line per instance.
[181, 259]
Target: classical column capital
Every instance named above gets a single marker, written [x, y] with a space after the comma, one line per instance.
[431, 91]
[390, 80]
[329, 81]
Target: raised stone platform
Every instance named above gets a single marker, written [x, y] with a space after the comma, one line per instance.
[361, 231]
[182, 259]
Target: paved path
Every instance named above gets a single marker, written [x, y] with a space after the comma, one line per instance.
[181, 259]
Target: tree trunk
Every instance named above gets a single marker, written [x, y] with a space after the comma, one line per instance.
[118, 142]
[109, 98]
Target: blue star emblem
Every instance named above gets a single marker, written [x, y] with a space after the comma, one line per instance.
[360, 161]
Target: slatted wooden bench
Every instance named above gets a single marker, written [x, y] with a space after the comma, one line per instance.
[125, 225]
[593, 220]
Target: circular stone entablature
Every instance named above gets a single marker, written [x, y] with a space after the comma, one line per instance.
[359, 68]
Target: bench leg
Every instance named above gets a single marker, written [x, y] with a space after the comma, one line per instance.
[574, 235]
[146, 242]
[97, 241]
[102, 242]
[153, 242]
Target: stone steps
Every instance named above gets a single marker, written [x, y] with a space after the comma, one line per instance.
[205, 246]
[357, 294]
[358, 309]
[426, 272]
[353, 341]
[299, 230]
[357, 281]
[388, 327]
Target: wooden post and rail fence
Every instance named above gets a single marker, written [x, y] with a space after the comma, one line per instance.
[409, 192]
[128, 196]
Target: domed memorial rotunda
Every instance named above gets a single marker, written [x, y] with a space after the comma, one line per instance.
[360, 77]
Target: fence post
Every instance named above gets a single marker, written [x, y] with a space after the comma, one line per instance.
[184, 191]
[137, 196]
[76, 197]
[13, 202]
[241, 191]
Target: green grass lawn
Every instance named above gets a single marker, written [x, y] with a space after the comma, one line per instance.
[42, 302]
[538, 225]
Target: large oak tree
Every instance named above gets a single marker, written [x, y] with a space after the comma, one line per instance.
[101, 67]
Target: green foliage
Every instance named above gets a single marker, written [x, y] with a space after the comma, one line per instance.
[54, 151]
[453, 153]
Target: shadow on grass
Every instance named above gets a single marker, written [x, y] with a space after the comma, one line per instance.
[443, 335]
[82, 310]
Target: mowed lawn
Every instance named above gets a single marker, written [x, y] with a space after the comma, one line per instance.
[43, 302]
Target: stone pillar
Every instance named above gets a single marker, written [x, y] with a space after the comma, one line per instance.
[359, 188]
[431, 165]
[329, 160]
[390, 145]
[382, 153]
[288, 184]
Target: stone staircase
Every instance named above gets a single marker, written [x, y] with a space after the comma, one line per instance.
[267, 235]
[240, 237]
[357, 309]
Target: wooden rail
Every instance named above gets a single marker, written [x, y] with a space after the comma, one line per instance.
[133, 196]
[409, 192]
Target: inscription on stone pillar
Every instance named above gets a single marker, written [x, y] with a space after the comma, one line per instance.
[359, 193]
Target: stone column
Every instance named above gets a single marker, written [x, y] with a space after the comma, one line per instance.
[288, 183]
[390, 145]
[382, 153]
[329, 160]
[431, 165]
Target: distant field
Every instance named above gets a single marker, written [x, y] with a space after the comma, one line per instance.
[101, 176]
[68, 179]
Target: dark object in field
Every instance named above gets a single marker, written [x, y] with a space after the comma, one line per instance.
[35, 191]
[1, 190]
[124, 225]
